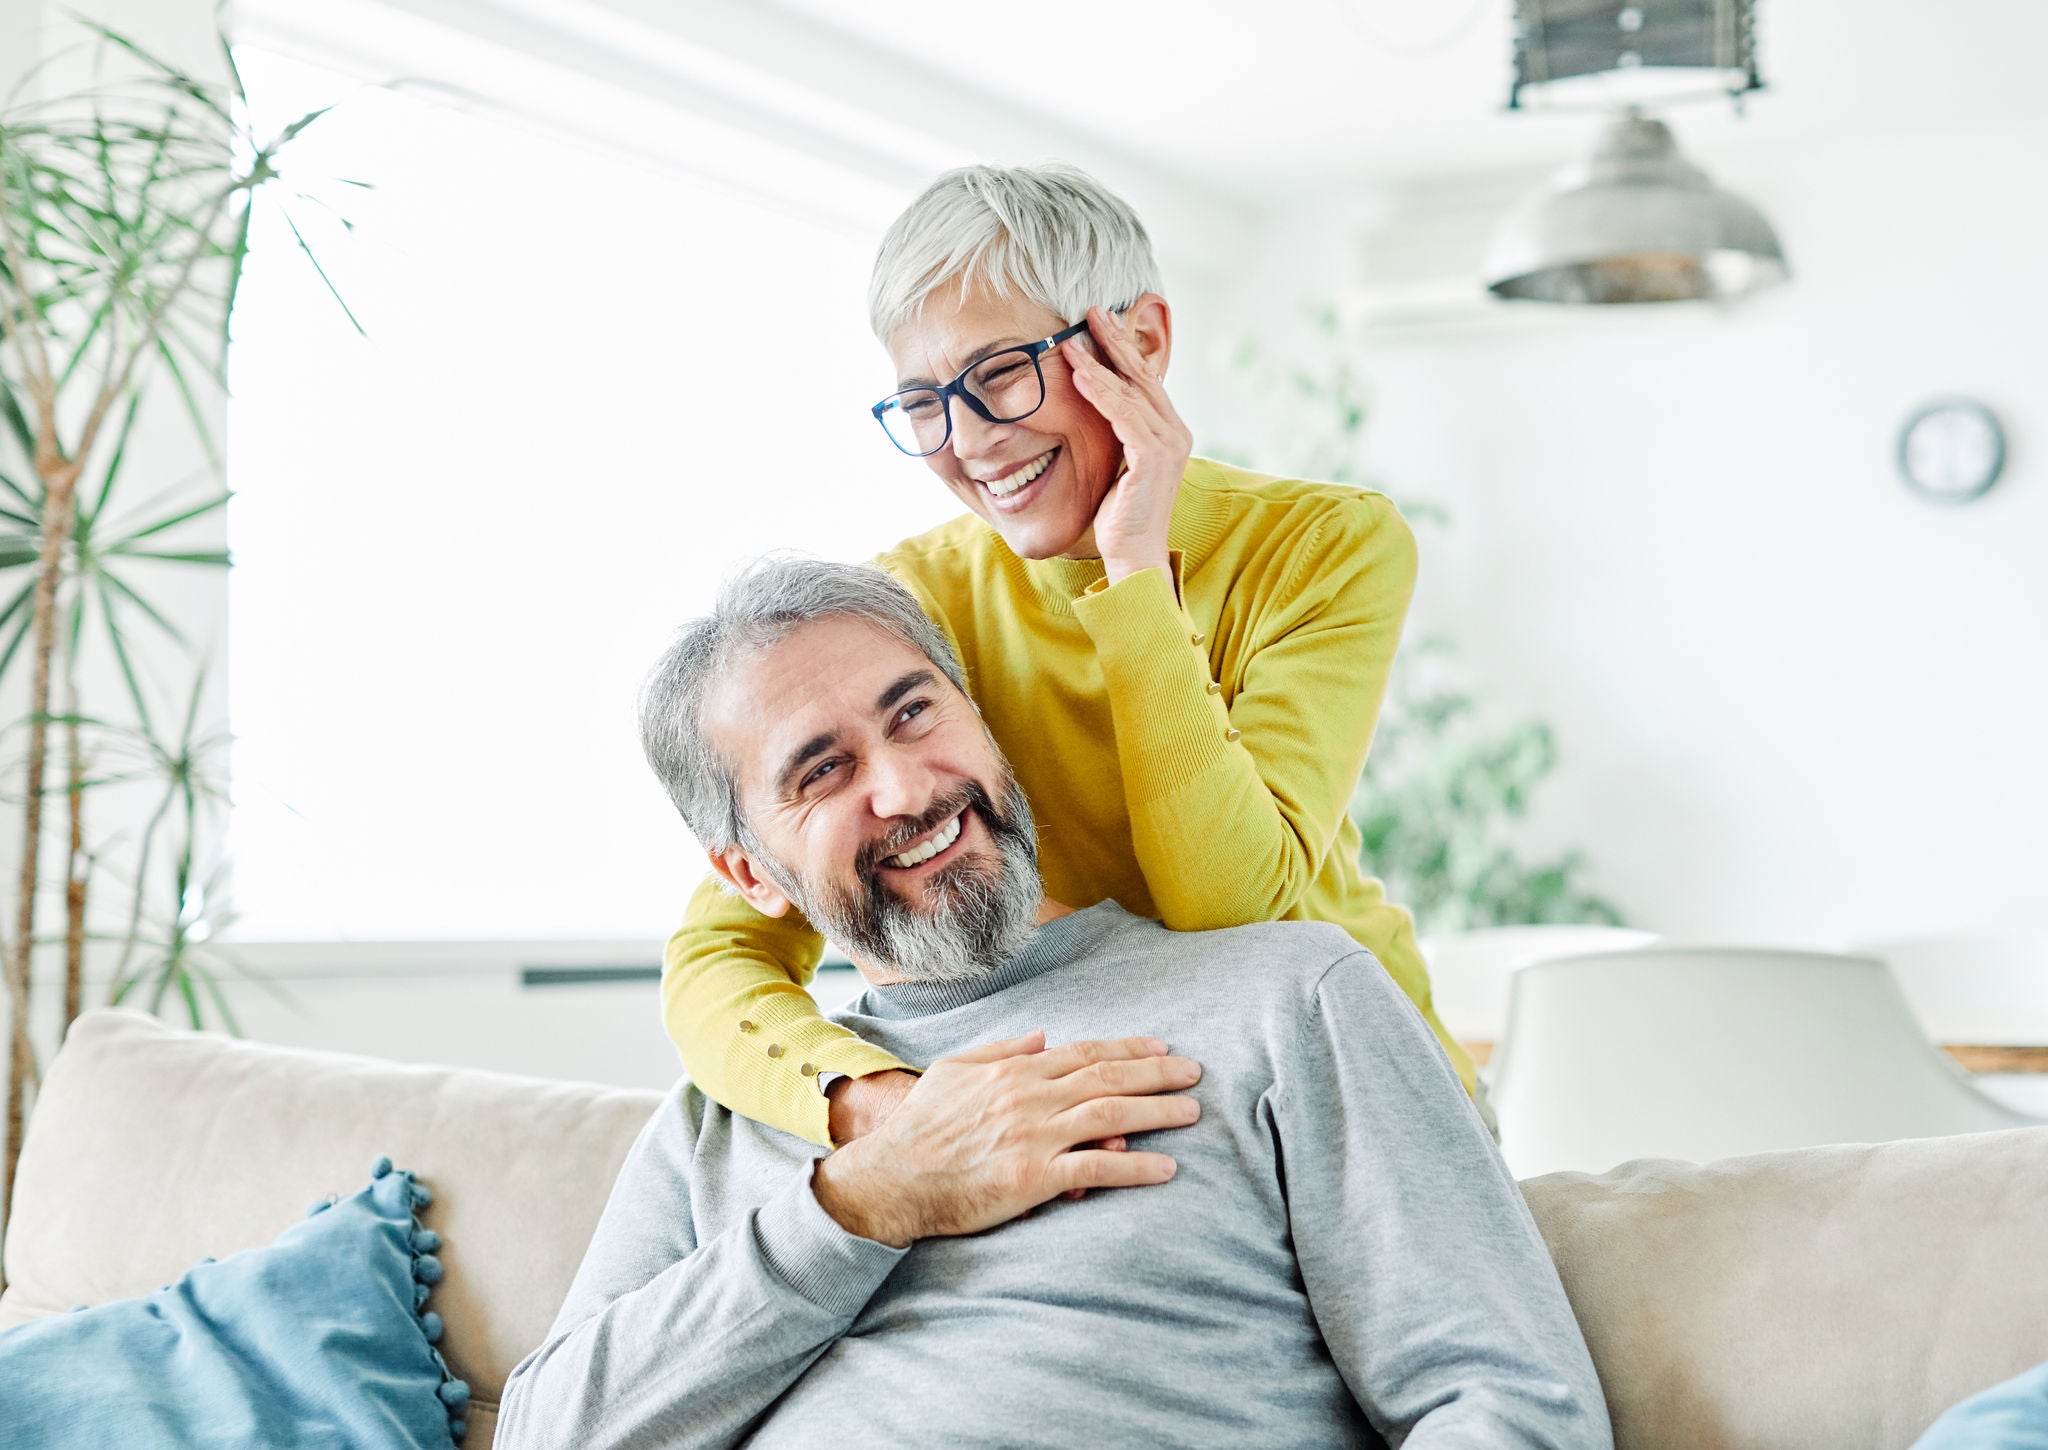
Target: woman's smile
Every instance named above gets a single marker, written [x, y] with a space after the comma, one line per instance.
[1013, 490]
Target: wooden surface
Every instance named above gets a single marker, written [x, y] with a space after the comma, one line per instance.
[1970, 1057]
[1998, 1059]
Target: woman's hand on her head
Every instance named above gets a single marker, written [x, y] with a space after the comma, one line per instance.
[1130, 525]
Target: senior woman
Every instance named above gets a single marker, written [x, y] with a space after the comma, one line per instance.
[1183, 661]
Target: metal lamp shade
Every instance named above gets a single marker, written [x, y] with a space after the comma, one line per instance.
[1636, 222]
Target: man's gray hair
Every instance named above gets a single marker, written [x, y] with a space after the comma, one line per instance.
[1051, 233]
[756, 607]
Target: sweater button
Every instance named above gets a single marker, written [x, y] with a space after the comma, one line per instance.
[1214, 688]
[746, 1026]
[775, 1049]
[1197, 638]
[1231, 735]
[808, 1071]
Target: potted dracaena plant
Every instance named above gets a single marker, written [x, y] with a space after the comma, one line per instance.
[125, 213]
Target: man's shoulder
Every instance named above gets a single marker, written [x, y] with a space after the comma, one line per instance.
[1275, 965]
[1307, 991]
[1307, 942]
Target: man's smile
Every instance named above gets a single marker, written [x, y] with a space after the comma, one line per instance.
[937, 844]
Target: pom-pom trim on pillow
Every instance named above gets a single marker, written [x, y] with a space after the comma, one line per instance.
[407, 1193]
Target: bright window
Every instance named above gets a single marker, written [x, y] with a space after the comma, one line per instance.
[593, 383]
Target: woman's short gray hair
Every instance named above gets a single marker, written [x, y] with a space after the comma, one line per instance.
[1051, 233]
[755, 608]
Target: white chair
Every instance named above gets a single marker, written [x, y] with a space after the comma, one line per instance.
[1469, 971]
[1709, 1052]
[1974, 988]
[1985, 990]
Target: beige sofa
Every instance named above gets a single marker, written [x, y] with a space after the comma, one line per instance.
[1833, 1297]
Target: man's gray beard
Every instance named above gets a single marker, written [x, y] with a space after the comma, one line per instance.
[973, 921]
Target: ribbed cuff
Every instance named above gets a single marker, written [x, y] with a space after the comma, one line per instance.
[1170, 728]
[807, 1249]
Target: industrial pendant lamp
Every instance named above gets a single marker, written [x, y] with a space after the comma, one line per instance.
[1635, 222]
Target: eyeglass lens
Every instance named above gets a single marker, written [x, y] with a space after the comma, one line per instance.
[1009, 387]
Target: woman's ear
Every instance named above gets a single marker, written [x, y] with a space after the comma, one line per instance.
[1150, 323]
[737, 867]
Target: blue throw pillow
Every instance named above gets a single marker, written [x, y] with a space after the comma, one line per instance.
[2009, 1416]
[323, 1338]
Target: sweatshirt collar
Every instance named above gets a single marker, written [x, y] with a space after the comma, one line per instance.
[1057, 944]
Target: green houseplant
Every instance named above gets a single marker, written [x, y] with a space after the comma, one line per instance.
[124, 227]
[1447, 782]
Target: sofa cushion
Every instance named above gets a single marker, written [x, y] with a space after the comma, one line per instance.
[150, 1148]
[1819, 1298]
[322, 1337]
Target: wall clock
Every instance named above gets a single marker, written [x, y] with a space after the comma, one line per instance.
[1951, 451]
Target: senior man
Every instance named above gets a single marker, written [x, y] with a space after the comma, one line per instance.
[1305, 1239]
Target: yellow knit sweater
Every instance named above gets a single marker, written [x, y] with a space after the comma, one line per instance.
[1192, 758]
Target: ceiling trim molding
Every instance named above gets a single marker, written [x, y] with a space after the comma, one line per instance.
[778, 79]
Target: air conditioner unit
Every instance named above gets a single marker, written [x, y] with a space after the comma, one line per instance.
[1420, 268]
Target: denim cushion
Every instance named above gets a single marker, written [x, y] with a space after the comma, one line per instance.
[2008, 1416]
[321, 1339]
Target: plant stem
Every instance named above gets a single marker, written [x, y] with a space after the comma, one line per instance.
[26, 332]
[74, 863]
[60, 486]
[133, 936]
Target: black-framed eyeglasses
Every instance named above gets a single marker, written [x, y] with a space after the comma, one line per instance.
[1003, 387]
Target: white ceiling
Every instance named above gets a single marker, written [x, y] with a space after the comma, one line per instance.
[1299, 94]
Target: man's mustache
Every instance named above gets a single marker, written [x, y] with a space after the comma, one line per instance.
[970, 796]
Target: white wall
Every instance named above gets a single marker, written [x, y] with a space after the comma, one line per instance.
[1794, 701]
[21, 24]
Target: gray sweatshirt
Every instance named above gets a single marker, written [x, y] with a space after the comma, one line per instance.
[1341, 1259]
